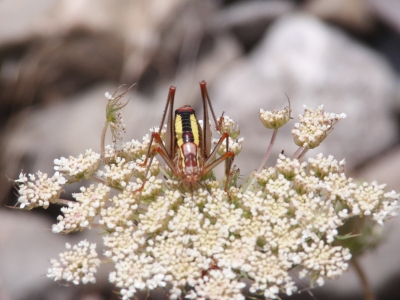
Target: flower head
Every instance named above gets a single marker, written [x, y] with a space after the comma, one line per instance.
[39, 192]
[275, 119]
[78, 264]
[228, 125]
[314, 127]
[80, 214]
[80, 167]
[204, 237]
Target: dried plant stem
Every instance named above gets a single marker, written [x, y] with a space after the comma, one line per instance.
[297, 153]
[302, 153]
[102, 142]
[63, 202]
[368, 293]
[266, 155]
[265, 158]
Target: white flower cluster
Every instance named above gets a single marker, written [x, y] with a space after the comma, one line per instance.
[80, 214]
[131, 150]
[119, 174]
[324, 260]
[207, 240]
[39, 192]
[227, 126]
[76, 168]
[127, 162]
[218, 284]
[201, 240]
[235, 145]
[261, 235]
[314, 127]
[77, 265]
[120, 214]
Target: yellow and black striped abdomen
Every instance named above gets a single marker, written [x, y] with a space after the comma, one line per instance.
[186, 126]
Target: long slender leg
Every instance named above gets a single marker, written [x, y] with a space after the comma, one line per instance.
[168, 151]
[163, 152]
[170, 130]
[227, 157]
[206, 138]
[216, 162]
[170, 134]
[228, 165]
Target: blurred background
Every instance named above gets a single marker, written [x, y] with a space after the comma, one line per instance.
[59, 57]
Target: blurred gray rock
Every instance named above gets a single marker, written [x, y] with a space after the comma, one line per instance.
[388, 11]
[351, 14]
[119, 41]
[27, 245]
[243, 14]
[249, 19]
[385, 168]
[314, 64]
[16, 22]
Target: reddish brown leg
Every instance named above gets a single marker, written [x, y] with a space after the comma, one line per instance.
[227, 157]
[159, 149]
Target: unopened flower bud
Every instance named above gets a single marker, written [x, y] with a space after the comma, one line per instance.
[275, 119]
[227, 125]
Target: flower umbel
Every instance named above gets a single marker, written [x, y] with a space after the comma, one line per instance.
[275, 119]
[77, 265]
[80, 214]
[39, 192]
[201, 239]
[80, 167]
[314, 127]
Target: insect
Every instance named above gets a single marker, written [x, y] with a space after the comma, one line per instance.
[187, 148]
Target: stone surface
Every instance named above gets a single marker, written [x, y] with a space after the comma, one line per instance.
[352, 14]
[385, 168]
[248, 20]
